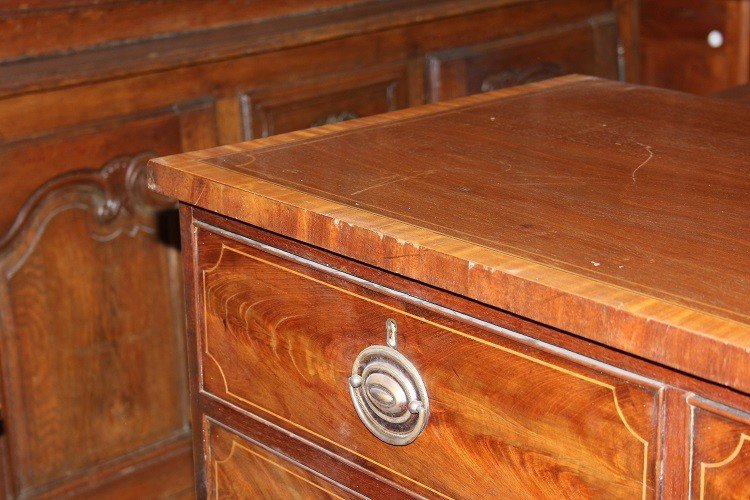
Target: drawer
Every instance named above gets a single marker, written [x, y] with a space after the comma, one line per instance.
[240, 467]
[587, 47]
[285, 109]
[720, 451]
[278, 336]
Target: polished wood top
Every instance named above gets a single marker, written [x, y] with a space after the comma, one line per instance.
[615, 212]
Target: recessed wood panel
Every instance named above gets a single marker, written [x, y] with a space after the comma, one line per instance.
[586, 47]
[279, 339]
[27, 164]
[238, 467]
[720, 452]
[285, 109]
[675, 49]
[89, 292]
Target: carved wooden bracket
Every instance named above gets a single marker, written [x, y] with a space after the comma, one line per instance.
[335, 118]
[519, 76]
[117, 189]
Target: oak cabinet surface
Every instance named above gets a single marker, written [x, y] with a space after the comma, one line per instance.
[93, 378]
[515, 264]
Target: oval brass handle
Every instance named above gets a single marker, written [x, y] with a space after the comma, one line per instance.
[388, 392]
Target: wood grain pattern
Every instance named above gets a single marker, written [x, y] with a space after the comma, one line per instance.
[242, 468]
[495, 406]
[24, 21]
[740, 94]
[675, 52]
[720, 451]
[71, 396]
[530, 57]
[563, 265]
[83, 81]
[423, 18]
[333, 99]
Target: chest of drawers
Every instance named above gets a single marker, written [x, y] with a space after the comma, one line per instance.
[537, 292]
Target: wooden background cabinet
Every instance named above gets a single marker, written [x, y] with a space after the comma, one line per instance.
[699, 46]
[93, 375]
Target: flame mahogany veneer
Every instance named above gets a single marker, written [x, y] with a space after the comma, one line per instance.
[567, 263]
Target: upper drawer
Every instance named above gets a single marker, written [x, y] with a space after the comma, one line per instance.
[587, 47]
[343, 97]
[278, 336]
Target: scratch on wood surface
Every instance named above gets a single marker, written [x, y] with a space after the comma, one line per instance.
[391, 181]
[402, 256]
[650, 155]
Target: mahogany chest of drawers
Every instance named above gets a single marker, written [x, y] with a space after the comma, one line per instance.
[539, 292]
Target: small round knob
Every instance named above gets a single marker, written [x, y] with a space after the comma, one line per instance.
[355, 381]
[715, 39]
[389, 395]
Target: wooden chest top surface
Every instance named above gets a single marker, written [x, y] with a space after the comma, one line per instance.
[618, 213]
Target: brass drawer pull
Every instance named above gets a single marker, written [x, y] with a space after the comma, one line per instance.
[388, 393]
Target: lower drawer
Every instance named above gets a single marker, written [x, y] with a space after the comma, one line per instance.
[239, 467]
[278, 336]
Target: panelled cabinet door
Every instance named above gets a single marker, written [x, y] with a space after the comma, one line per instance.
[587, 47]
[720, 451]
[322, 102]
[91, 314]
[695, 46]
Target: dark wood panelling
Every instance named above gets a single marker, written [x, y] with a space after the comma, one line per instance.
[675, 49]
[72, 397]
[285, 109]
[27, 164]
[740, 94]
[85, 260]
[586, 47]
[23, 21]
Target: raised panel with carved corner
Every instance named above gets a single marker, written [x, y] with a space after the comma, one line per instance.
[241, 467]
[587, 47]
[87, 293]
[720, 451]
[343, 97]
[90, 287]
[549, 422]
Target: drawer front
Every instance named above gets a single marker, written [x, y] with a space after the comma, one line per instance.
[720, 451]
[239, 467]
[278, 336]
[276, 111]
[587, 47]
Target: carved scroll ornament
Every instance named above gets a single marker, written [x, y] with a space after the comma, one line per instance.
[116, 196]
